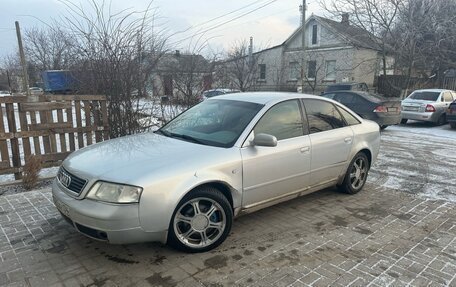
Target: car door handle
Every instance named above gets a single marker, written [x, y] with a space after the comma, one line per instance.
[348, 140]
[305, 149]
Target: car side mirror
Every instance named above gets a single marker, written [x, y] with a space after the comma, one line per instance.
[264, 140]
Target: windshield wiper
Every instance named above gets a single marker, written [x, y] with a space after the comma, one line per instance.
[181, 136]
[187, 138]
[165, 133]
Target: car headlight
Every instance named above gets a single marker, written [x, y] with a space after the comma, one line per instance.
[115, 193]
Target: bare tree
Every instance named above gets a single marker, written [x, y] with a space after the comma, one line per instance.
[50, 48]
[118, 54]
[240, 69]
[424, 38]
[376, 17]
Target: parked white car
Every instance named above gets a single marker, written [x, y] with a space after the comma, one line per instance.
[429, 105]
[229, 155]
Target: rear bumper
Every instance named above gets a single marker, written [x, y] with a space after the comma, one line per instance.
[388, 120]
[421, 116]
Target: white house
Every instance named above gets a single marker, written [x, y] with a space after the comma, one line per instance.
[335, 51]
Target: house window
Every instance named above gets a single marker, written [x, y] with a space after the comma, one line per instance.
[330, 70]
[314, 34]
[295, 71]
[311, 69]
[262, 68]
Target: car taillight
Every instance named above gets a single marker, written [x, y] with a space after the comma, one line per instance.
[430, 108]
[381, 109]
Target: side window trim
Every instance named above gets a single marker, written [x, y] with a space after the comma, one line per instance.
[305, 121]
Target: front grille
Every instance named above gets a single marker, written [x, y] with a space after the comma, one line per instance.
[70, 181]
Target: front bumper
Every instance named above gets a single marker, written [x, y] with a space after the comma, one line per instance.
[114, 223]
[421, 116]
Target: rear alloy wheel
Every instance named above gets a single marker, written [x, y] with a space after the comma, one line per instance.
[404, 121]
[442, 120]
[356, 175]
[201, 221]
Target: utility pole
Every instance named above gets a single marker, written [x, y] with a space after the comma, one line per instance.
[9, 82]
[23, 62]
[303, 42]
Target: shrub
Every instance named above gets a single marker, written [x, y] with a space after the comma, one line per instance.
[31, 170]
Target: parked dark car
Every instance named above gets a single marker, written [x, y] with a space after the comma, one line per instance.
[451, 114]
[383, 111]
[361, 87]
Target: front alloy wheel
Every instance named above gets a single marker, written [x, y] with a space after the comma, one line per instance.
[356, 175]
[201, 221]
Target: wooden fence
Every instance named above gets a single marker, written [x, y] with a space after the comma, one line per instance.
[396, 85]
[51, 126]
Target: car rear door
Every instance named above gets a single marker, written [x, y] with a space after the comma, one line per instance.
[272, 172]
[331, 141]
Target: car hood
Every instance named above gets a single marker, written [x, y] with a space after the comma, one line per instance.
[129, 158]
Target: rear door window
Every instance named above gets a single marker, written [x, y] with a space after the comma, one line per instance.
[349, 118]
[322, 116]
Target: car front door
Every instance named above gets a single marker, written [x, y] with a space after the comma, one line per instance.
[331, 141]
[272, 172]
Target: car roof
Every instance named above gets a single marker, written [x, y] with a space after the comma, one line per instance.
[432, 90]
[264, 97]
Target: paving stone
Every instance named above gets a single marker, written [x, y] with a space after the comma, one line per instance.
[377, 237]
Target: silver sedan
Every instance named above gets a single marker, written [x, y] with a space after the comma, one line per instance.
[226, 156]
[427, 105]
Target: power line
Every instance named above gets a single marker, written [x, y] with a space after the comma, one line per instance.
[226, 22]
[257, 19]
[221, 16]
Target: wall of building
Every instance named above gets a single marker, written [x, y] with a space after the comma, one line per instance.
[272, 58]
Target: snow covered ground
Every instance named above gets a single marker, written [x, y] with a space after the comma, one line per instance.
[418, 158]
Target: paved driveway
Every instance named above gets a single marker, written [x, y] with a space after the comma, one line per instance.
[400, 230]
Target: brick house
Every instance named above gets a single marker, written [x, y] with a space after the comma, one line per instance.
[334, 52]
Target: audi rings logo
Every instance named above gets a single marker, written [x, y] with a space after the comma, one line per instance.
[64, 178]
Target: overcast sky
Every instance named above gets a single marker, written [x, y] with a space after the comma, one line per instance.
[269, 25]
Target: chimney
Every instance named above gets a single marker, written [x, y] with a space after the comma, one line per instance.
[345, 19]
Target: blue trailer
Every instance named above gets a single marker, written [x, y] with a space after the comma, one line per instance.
[58, 81]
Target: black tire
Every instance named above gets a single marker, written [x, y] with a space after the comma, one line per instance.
[382, 127]
[349, 185]
[453, 125]
[203, 196]
[404, 121]
[442, 120]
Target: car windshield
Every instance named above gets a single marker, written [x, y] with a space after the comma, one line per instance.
[338, 88]
[215, 122]
[426, 96]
